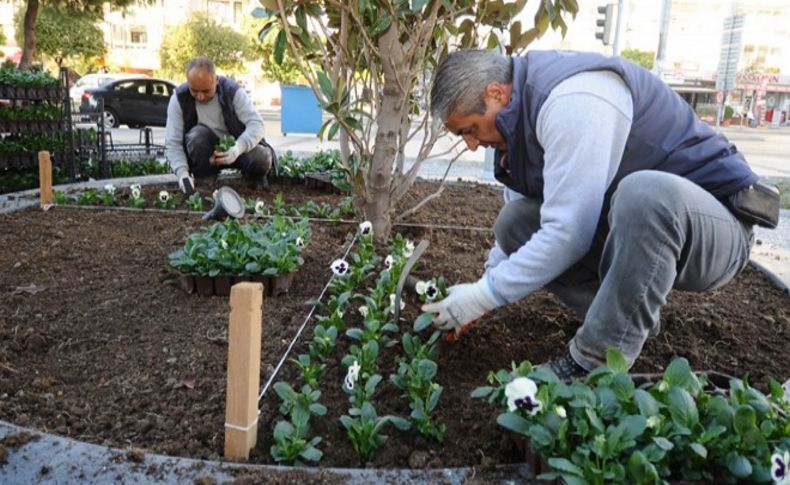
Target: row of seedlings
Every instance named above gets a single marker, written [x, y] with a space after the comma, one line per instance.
[417, 366]
[362, 423]
[110, 197]
[292, 442]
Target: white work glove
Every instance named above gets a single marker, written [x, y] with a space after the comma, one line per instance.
[186, 184]
[464, 304]
[228, 157]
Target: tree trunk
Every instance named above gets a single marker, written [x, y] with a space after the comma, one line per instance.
[377, 207]
[29, 47]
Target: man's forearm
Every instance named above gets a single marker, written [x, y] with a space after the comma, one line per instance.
[174, 135]
[247, 114]
[177, 160]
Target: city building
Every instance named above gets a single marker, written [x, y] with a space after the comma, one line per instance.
[690, 64]
[693, 46]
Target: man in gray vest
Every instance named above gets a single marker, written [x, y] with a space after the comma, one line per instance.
[615, 194]
[201, 111]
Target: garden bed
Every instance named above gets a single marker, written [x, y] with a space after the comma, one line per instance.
[99, 343]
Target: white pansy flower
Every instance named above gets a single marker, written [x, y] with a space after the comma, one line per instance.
[392, 303]
[299, 243]
[260, 208]
[560, 411]
[420, 287]
[339, 267]
[366, 228]
[352, 376]
[653, 422]
[135, 192]
[363, 310]
[521, 394]
[431, 291]
[135, 187]
[164, 196]
[388, 261]
[409, 250]
[109, 188]
[780, 468]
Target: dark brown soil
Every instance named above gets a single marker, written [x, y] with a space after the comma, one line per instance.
[109, 350]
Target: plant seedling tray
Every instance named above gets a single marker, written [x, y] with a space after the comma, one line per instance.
[220, 285]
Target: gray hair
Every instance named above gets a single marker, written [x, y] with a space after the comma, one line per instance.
[201, 62]
[462, 78]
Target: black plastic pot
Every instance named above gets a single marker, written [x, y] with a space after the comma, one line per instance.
[204, 285]
[187, 283]
[280, 284]
[222, 285]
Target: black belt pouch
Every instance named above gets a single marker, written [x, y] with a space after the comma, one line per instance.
[756, 204]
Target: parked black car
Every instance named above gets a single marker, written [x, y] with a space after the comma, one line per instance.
[134, 102]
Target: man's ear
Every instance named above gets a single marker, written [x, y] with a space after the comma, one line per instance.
[497, 92]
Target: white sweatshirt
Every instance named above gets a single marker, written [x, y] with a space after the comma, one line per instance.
[583, 127]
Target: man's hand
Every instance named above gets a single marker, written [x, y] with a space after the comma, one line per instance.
[186, 184]
[464, 304]
[228, 157]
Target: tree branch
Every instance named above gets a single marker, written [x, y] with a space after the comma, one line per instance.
[427, 199]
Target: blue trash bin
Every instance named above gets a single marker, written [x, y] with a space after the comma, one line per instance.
[300, 111]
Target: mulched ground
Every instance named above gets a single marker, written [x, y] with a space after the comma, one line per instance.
[109, 350]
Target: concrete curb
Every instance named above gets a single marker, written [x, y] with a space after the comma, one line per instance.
[773, 277]
[48, 459]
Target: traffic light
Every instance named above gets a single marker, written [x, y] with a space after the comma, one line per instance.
[605, 23]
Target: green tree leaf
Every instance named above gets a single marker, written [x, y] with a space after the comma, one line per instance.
[201, 35]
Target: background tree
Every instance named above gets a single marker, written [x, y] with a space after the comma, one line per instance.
[67, 36]
[284, 72]
[642, 58]
[3, 41]
[29, 43]
[376, 61]
[201, 35]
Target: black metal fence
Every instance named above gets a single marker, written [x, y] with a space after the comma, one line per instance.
[97, 151]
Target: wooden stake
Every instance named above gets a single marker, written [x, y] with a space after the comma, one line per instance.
[244, 369]
[45, 178]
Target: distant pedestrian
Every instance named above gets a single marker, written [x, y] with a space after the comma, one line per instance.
[201, 111]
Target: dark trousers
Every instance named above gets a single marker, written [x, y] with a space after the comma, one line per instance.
[200, 145]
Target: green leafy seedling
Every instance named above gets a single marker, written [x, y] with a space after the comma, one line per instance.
[225, 143]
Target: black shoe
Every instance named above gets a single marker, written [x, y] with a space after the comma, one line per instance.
[258, 182]
[566, 368]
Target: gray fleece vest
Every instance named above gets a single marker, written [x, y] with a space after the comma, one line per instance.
[666, 134]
